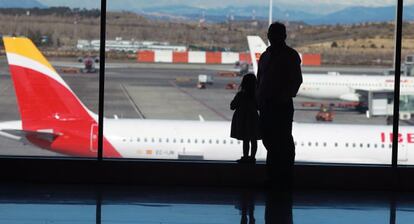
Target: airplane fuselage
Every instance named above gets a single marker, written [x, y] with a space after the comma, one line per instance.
[163, 139]
[344, 87]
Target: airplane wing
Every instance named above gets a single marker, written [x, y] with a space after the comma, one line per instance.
[22, 134]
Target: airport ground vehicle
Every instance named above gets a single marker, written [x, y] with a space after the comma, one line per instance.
[66, 126]
[204, 80]
[325, 114]
[89, 64]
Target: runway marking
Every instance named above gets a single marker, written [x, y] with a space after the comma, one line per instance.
[131, 101]
[201, 102]
[5, 89]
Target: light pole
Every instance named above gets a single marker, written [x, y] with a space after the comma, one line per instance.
[270, 11]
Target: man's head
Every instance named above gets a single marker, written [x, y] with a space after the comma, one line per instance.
[276, 33]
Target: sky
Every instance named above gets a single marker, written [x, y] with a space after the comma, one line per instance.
[218, 3]
[314, 6]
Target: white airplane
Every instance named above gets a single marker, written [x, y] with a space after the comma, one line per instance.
[333, 85]
[53, 118]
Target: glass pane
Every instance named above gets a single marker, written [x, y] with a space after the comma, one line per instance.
[406, 135]
[49, 98]
[173, 70]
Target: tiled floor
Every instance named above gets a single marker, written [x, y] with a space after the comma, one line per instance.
[45, 204]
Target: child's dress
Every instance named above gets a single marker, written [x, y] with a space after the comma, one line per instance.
[245, 122]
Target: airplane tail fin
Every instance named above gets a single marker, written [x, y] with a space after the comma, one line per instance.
[256, 46]
[44, 99]
[52, 116]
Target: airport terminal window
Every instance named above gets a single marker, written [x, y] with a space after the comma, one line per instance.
[155, 69]
[406, 103]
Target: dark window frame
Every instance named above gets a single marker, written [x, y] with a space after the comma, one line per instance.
[99, 163]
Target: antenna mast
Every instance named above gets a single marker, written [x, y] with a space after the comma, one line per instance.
[270, 11]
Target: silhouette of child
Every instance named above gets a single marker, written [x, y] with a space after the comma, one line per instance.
[245, 122]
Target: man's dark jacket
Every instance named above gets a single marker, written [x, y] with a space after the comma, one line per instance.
[279, 75]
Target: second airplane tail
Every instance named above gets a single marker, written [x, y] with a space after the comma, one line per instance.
[256, 46]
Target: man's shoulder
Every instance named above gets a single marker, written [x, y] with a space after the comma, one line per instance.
[264, 57]
[292, 53]
[265, 54]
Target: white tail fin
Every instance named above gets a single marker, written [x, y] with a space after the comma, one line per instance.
[256, 46]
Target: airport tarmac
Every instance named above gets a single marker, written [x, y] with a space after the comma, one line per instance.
[132, 64]
[148, 92]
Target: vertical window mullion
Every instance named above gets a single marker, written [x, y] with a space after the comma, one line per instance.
[101, 79]
[397, 78]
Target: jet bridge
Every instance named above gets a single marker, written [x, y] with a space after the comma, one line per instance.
[381, 103]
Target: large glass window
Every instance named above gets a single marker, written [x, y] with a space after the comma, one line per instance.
[346, 96]
[49, 85]
[406, 134]
[172, 73]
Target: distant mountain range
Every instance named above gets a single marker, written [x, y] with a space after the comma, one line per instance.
[345, 16]
[348, 15]
[21, 4]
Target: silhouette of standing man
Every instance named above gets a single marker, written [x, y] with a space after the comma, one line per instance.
[279, 78]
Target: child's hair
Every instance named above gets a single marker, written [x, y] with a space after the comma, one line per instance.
[248, 84]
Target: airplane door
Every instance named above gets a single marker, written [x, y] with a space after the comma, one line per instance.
[93, 144]
[402, 152]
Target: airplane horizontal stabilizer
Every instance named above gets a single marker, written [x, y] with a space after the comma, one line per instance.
[23, 134]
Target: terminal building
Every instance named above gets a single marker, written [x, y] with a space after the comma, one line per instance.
[127, 45]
